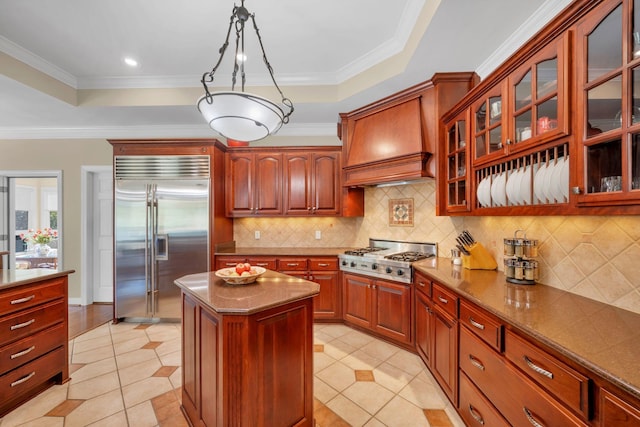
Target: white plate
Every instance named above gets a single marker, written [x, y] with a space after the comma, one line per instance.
[510, 188]
[501, 194]
[479, 191]
[548, 182]
[565, 178]
[525, 186]
[556, 181]
[538, 182]
[486, 192]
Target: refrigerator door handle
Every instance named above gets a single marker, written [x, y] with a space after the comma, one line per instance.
[149, 249]
[162, 247]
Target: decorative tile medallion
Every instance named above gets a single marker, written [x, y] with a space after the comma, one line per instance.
[401, 212]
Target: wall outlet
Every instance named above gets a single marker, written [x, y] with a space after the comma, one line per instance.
[256, 234]
[318, 234]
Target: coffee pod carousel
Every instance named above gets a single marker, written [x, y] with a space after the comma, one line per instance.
[520, 265]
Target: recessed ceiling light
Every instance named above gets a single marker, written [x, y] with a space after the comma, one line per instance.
[130, 62]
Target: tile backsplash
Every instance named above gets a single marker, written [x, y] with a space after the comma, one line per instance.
[594, 256]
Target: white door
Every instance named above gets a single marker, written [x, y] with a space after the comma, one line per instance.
[102, 236]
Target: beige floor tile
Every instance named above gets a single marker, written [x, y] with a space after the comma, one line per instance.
[119, 419]
[171, 359]
[406, 361]
[146, 389]
[138, 372]
[349, 411]
[368, 395]
[336, 330]
[86, 345]
[94, 355]
[130, 345]
[338, 375]
[135, 357]
[321, 361]
[373, 422]
[37, 407]
[338, 349]
[95, 369]
[94, 387]
[361, 360]
[391, 377]
[100, 331]
[127, 335]
[169, 346]
[323, 391]
[163, 332]
[401, 413]
[142, 415]
[45, 422]
[319, 337]
[380, 349]
[423, 394]
[176, 378]
[356, 338]
[95, 409]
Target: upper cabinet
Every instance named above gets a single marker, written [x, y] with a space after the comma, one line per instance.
[608, 57]
[555, 129]
[293, 181]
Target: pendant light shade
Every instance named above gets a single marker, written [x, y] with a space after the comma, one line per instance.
[239, 115]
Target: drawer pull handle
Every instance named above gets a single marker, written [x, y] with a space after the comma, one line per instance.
[443, 300]
[230, 264]
[262, 264]
[23, 352]
[22, 325]
[23, 379]
[476, 415]
[475, 362]
[537, 368]
[422, 284]
[476, 324]
[21, 300]
[323, 265]
[530, 417]
[292, 264]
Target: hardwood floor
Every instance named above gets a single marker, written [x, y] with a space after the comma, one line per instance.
[85, 318]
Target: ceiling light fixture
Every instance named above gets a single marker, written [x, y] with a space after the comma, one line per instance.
[130, 62]
[240, 115]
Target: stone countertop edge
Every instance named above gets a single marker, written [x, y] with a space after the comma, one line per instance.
[10, 278]
[281, 251]
[603, 338]
[272, 289]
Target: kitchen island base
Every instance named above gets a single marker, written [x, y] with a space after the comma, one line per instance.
[253, 369]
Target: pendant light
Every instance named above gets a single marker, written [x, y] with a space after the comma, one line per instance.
[240, 115]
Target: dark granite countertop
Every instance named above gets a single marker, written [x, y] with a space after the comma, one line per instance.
[11, 278]
[272, 289]
[601, 337]
[278, 251]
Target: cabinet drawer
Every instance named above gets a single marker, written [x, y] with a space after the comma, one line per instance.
[292, 264]
[31, 347]
[489, 330]
[323, 264]
[445, 299]
[268, 263]
[569, 386]
[27, 377]
[31, 295]
[23, 323]
[422, 284]
[226, 261]
[475, 409]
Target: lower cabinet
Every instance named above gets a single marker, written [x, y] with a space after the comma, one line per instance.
[615, 412]
[381, 306]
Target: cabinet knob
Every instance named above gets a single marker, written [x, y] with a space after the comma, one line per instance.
[508, 141]
[576, 190]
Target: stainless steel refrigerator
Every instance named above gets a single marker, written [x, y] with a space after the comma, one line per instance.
[161, 232]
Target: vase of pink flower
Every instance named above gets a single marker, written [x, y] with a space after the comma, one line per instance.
[40, 239]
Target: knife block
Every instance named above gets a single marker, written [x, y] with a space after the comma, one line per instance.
[479, 258]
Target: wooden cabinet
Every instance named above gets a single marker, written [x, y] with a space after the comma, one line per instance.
[33, 340]
[444, 360]
[253, 184]
[312, 183]
[292, 181]
[261, 375]
[554, 130]
[423, 318]
[616, 412]
[380, 306]
[456, 194]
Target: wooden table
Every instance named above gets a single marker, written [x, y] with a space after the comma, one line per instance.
[247, 351]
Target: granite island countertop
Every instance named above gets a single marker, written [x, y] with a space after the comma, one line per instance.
[282, 251]
[601, 337]
[11, 277]
[272, 289]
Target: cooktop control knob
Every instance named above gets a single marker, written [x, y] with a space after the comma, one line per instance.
[374, 266]
[353, 263]
[389, 270]
[344, 262]
[400, 272]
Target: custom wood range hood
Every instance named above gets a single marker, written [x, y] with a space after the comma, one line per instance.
[395, 139]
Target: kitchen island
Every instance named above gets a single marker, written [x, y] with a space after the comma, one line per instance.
[34, 342]
[247, 350]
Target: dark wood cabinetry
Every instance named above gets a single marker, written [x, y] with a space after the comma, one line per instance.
[34, 340]
[380, 306]
[555, 128]
[292, 181]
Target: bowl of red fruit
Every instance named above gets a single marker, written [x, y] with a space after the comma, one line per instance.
[241, 274]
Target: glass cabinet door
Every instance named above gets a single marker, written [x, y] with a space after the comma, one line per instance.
[488, 126]
[457, 165]
[610, 94]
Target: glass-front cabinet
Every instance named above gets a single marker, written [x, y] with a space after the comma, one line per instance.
[457, 196]
[609, 92]
[488, 126]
